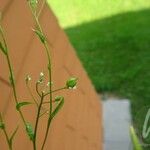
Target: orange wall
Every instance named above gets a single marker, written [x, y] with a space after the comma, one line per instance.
[78, 126]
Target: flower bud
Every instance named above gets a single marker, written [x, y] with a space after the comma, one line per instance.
[71, 83]
[41, 74]
[33, 4]
[28, 78]
[41, 77]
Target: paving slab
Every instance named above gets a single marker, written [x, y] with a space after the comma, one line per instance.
[117, 120]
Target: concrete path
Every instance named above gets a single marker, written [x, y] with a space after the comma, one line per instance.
[117, 119]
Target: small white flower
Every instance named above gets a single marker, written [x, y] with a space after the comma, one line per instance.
[48, 83]
[43, 92]
[41, 74]
[41, 78]
[29, 78]
[73, 88]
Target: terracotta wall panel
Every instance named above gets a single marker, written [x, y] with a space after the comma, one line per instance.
[51, 27]
[4, 96]
[3, 4]
[18, 39]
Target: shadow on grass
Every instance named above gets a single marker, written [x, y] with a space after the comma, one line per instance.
[116, 54]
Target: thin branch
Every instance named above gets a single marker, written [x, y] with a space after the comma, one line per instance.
[5, 133]
[32, 96]
[37, 121]
[46, 112]
[7, 139]
[37, 89]
[43, 3]
[56, 90]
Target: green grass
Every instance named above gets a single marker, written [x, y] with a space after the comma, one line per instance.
[74, 12]
[112, 39]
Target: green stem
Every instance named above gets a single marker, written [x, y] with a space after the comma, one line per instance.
[14, 87]
[50, 77]
[46, 112]
[5, 132]
[42, 6]
[11, 74]
[47, 131]
[7, 139]
[47, 102]
[11, 77]
[37, 89]
[37, 121]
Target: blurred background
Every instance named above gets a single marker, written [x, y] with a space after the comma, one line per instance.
[112, 40]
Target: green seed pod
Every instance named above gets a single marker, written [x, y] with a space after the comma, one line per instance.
[30, 131]
[71, 83]
[40, 35]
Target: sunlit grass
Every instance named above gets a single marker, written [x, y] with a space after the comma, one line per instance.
[75, 12]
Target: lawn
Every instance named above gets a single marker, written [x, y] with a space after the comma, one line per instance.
[112, 39]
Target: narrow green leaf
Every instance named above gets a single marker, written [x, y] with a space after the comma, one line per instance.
[3, 49]
[136, 143]
[30, 131]
[58, 98]
[21, 104]
[40, 35]
[2, 125]
[58, 107]
[13, 135]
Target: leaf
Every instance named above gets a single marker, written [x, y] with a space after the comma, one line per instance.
[13, 135]
[19, 105]
[2, 48]
[2, 125]
[58, 98]
[40, 35]
[56, 110]
[135, 140]
[30, 131]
